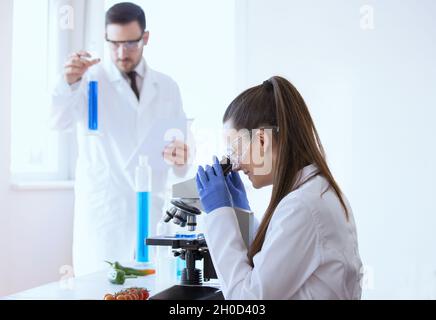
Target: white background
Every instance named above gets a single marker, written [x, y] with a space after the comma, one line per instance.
[371, 92]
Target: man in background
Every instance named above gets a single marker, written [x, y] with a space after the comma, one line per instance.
[133, 100]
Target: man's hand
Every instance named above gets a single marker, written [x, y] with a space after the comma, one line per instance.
[176, 153]
[77, 65]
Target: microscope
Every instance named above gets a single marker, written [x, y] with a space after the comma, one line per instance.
[186, 207]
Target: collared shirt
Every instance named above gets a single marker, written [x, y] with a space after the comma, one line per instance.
[140, 70]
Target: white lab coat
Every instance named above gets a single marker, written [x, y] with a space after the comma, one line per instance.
[104, 218]
[310, 250]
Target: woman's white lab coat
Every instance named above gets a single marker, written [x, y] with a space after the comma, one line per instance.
[310, 250]
[104, 217]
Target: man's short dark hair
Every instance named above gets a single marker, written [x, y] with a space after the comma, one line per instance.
[124, 13]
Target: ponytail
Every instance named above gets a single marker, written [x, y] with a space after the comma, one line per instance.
[278, 103]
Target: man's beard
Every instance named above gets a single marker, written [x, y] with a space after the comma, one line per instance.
[128, 65]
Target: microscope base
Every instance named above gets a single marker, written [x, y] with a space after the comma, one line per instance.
[180, 292]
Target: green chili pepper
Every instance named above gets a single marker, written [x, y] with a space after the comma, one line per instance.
[131, 271]
[117, 276]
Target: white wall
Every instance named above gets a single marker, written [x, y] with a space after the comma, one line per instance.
[5, 62]
[373, 99]
[35, 226]
[192, 41]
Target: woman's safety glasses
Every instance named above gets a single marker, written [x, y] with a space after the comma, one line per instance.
[238, 148]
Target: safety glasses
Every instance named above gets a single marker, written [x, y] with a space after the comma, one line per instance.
[238, 148]
[131, 45]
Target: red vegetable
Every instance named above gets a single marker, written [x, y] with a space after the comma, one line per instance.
[129, 294]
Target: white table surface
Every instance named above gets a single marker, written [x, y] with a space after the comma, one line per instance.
[90, 287]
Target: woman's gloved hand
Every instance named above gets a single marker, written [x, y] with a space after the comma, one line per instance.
[212, 187]
[237, 191]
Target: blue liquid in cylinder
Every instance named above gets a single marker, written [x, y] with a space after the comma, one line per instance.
[180, 265]
[143, 210]
[93, 106]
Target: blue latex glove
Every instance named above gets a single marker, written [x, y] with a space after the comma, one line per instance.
[237, 190]
[212, 187]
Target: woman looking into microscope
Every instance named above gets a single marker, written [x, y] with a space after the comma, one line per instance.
[306, 244]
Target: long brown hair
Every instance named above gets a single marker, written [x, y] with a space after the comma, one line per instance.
[277, 103]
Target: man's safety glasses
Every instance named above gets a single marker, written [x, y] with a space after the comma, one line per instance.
[128, 45]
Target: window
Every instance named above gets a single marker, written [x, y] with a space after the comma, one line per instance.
[37, 152]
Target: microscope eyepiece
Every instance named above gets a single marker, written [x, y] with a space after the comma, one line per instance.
[184, 214]
[226, 165]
